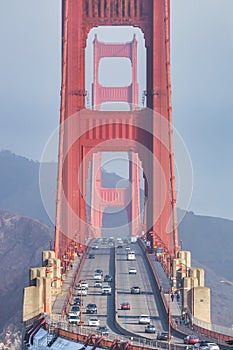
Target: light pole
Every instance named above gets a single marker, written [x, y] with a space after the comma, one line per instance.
[186, 268]
[169, 320]
[81, 302]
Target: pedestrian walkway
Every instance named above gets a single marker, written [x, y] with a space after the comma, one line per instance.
[61, 298]
[175, 306]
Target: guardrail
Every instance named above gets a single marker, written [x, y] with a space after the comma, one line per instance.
[75, 278]
[81, 333]
[220, 333]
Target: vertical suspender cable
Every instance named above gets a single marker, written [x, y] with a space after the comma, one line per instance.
[168, 71]
[61, 132]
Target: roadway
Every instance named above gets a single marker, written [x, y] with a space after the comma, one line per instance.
[143, 303]
[113, 261]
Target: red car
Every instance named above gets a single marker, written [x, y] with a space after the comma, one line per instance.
[125, 306]
[191, 339]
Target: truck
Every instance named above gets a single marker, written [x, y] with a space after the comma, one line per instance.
[134, 239]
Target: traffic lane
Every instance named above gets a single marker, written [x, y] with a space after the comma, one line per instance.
[140, 303]
[94, 296]
[157, 298]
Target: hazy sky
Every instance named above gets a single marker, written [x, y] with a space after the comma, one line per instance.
[202, 85]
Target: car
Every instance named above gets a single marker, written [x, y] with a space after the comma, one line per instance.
[82, 291]
[127, 248]
[162, 335]
[125, 306]
[91, 256]
[132, 270]
[203, 344]
[150, 328]
[135, 290]
[97, 276]
[93, 322]
[75, 309]
[73, 318]
[120, 246]
[103, 330]
[144, 319]
[76, 301]
[95, 246]
[191, 339]
[91, 309]
[131, 256]
[106, 289]
[98, 284]
[99, 272]
[107, 278]
[82, 284]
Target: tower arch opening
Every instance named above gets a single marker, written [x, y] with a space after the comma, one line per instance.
[115, 70]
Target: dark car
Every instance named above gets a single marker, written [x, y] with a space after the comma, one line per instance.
[91, 256]
[150, 328]
[75, 309]
[76, 301]
[135, 290]
[91, 309]
[162, 336]
[103, 330]
[99, 272]
[107, 278]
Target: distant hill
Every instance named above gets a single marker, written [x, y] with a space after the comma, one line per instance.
[208, 238]
[21, 243]
[19, 187]
[211, 241]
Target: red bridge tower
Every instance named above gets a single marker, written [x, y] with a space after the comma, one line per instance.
[145, 133]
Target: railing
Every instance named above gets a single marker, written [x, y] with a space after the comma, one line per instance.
[80, 333]
[220, 333]
[75, 278]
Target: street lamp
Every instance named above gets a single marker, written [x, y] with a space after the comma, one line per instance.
[81, 302]
[186, 269]
[169, 319]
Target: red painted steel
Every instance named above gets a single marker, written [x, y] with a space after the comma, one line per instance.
[103, 94]
[102, 198]
[143, 131]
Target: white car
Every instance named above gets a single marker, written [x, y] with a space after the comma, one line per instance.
[144, 319]
[73, 318]
[205, 345]
[106, 289]
[81, 284]
[97, 276]
[132, 270]
[93, 322]
[82, 291]
[84, 284]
